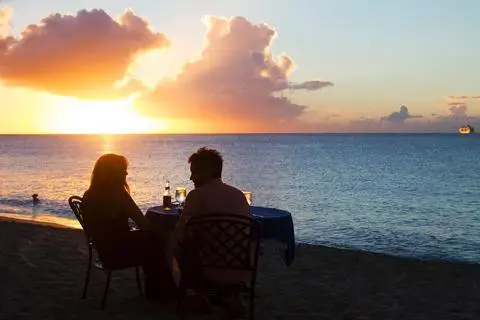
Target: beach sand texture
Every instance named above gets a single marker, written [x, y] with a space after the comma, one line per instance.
[42, 270]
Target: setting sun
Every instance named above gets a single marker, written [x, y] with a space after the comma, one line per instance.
[101, 117]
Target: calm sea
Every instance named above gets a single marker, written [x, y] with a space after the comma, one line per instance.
[405, 194]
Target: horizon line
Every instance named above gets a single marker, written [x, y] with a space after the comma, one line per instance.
[220, 134]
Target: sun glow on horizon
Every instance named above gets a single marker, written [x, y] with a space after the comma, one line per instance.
[75, 116]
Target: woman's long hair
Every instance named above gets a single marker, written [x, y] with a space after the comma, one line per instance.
[109, 174]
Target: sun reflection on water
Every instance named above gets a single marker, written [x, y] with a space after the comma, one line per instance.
[107, 143]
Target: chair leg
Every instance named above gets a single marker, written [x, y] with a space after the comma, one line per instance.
[181, 299]
[179, 302]
[107, 285]
[87, 277]
[139, 284]
[252, 303]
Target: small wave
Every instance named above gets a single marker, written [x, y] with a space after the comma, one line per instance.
[15, 202]
[45, 206]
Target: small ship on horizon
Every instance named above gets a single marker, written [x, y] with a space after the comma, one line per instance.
[468, 129]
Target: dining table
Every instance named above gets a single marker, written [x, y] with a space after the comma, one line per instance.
[277, 225]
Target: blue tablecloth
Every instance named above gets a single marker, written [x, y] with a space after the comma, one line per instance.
[163, 220]
[276, 224]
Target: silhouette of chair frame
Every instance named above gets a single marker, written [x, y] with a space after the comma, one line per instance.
[75, 203]
[216, 242]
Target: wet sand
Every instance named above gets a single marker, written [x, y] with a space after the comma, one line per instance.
[42, 268]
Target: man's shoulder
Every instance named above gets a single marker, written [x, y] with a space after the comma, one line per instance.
[192, 194]
[207, 191]
[233, 190]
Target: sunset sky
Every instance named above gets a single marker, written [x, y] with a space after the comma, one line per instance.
[238, 66]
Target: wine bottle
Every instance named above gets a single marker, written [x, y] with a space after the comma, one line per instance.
[167, 196]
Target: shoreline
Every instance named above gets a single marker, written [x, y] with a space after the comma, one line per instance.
[59, 222]
[387, 254]
[42, 220]
[238, 133]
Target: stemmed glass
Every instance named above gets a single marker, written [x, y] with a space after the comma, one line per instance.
[180, 195]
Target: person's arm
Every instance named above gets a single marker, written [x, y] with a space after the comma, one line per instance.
[190, 209]
[135, 213]
[246, 208]
[242, 205]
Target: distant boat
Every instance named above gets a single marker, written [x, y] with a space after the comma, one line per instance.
[468, 129]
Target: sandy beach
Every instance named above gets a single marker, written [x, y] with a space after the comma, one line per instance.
[42, 272]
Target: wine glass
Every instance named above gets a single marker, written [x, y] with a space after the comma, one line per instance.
[180, 195]
[248, 196]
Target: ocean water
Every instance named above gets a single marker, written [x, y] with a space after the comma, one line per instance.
[414, 195]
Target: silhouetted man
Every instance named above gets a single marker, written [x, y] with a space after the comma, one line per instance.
[212, 195]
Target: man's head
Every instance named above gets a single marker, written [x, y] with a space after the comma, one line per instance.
[205, 166]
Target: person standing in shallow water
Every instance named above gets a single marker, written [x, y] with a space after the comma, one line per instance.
[107, 206]
[35, 199]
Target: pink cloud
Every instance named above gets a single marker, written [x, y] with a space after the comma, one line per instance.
[458, 116]
[462, 97]
[236, 76]
[82, 55]
[400, 116]
[396, 121]
[458, 111]
[455, 100]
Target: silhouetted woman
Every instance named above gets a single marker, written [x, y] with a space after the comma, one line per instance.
[107, 207]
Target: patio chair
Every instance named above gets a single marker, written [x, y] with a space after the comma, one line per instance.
[218, 242]
[75, 203]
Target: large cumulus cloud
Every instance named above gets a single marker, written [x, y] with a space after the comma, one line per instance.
[86, 55]
[236, 76]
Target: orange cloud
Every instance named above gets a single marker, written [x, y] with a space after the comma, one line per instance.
[236, 77]
[84, 55]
